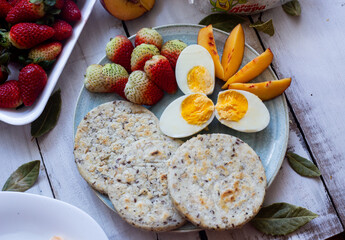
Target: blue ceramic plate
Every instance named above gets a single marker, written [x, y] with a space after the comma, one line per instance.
[270, 144]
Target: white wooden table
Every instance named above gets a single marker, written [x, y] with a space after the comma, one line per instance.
[310, 49]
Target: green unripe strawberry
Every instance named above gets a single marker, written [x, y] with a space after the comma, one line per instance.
[119, 50]
[141, 90]
[105, 78]
[172, 49]
[141, 54]
[149, 36]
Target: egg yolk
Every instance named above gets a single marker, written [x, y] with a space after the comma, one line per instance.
[196, 109]
[199, 80]
[231, 105]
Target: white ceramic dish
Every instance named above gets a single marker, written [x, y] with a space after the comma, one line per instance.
[34, 217]
[29, 114]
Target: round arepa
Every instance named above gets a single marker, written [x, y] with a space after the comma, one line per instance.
[103, 134]
[216, 181]
[139, 190]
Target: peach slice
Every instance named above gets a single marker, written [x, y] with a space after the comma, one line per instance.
[206, 39]
[233, 52]
[264, 90]
[127, 9]
[252, 69]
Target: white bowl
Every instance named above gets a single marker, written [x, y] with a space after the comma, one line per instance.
[27, 115]
[34, 217]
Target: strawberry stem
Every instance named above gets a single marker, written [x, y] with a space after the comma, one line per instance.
[4, 40]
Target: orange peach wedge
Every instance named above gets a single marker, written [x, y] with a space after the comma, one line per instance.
[251, 69]
[233, 52]
[264, 90]
[206, 39]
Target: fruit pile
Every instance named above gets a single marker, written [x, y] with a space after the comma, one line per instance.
[31, 34]
[139, 74]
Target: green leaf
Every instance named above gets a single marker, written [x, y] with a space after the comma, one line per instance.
[23, 178]
[47, 65]
[282, 218]
[4, 40]
[303, 166]
[4, 57]
[55, 11]
[222, 21]
[50, 3]
[292, 8]
[49, 116]
[265, 27]
[36, 1]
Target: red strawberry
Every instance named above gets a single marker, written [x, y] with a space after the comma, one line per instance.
[59, 4]
[63, 30]
[120, 87]
[28, 35]
[13, 2]
[172, 49]
[141, 54]
[141, 90]
[45, 52]
[70, 11]
[105, 78]
[26, 11]
[5, 7]
[3, 73]
[119, 51]
[149, 36]
[159, 70]
[32, 79]
[10, 95]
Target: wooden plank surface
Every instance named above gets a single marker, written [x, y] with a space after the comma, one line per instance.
[57, 146]
[309, 49]
[287, 182]
[294, 189]
[17, 148]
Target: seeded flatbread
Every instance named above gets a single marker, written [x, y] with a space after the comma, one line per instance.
[216, 181]
[139, 190]
[103, 134]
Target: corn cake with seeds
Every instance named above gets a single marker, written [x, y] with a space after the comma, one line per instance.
[216, 181]
[139, 190]
[103, 134]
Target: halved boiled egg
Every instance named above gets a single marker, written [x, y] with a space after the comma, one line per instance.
[187, 115]
[242, 111]
[195, 70]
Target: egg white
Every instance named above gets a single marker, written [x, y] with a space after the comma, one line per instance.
[173, 124]
[192, 56]
[256, 118]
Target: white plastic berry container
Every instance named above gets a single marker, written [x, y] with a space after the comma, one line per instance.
[27, 115]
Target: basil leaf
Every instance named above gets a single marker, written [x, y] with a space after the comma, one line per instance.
[282, 218]
[265, 27]
[222, 21]
[292, 8]
[303, 166]
[23, 178]
[49, 117]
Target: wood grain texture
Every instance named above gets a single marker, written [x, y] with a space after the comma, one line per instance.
[292, 188]
[309, 48]
[16, 148]
[57, 146]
